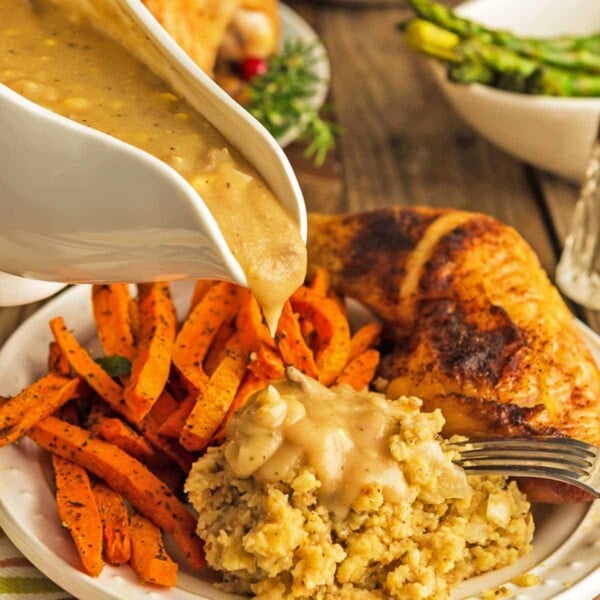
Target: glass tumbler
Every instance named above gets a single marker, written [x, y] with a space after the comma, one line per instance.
[578, 271]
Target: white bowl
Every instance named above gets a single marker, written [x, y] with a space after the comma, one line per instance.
[551, 133]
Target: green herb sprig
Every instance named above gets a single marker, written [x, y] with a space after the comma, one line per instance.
[281, 99]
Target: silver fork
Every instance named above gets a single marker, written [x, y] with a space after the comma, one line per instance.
[563, 459]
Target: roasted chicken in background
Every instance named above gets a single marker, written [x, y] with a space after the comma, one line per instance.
[221, 35]
[474, 325]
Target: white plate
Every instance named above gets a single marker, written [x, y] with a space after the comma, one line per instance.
[566, 552]
[294, 27]
[15, 291]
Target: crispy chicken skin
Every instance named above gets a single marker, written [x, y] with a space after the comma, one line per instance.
[198, 26]
[234, 29]
[476, 327]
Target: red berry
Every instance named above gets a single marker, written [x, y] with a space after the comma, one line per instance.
[253, 67]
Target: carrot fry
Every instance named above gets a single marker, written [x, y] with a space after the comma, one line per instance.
[113, 320]
[250, 323]
[163, 407]
[291, 344]
[115, 525]
[125, 475]
[200, 289]
[308, 331]
[320, 282]
[250, 385]
[152, 361]
[366, 337]
[213, 357]
[150, 426]
[211, 407]
[34, 403]
[68, 413]
[57, 361]
[198, 331]
[331, 329]
[360, 372]
[85, 366]
[134, 318]
[78, 512]
[266, 363]
[149, 558]
[172, 427]
[116, 432]
[141, 448]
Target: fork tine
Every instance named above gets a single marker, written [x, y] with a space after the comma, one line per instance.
[538, 472]
[499, 461]
[539, 454]
[555, 444]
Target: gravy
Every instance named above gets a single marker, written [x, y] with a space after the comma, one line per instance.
[68, 67]
[344, 436]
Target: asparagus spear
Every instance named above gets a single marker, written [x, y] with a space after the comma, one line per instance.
[567, 53]
[475, 61]
[471, 71]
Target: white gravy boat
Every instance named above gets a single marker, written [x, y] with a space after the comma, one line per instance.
[78, 205]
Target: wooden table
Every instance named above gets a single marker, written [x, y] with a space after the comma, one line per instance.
[403, 144]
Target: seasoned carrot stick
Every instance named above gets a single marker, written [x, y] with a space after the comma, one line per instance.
[320, 282]
[78, 512]
[212, 406]
[125, 475]
[34, 403]
[198, 331]
[200, 289]
[139, 446]
[115, 525]
[214, 353]
[85, 366]
[366, 337]
[149, 558]
[291, 344]
[172, 427]
[115, 431]
[152, 360]
[57, 361]
[331, 329]
[68, 413]
[113, 320]
[266, 363]
[360, 372]
[150, 427]
[134, 319]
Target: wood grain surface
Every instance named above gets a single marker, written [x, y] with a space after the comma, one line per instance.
[403, 144]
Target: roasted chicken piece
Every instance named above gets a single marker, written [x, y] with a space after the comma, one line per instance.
[229, 29]
[198, 26]
[476, 327]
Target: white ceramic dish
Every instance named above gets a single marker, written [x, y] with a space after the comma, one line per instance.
[566, 552]
[554, 134]
[74, 246]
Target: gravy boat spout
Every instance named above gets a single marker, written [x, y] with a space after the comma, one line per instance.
[79, 206]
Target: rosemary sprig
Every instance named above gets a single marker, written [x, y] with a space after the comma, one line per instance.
[281, 99]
